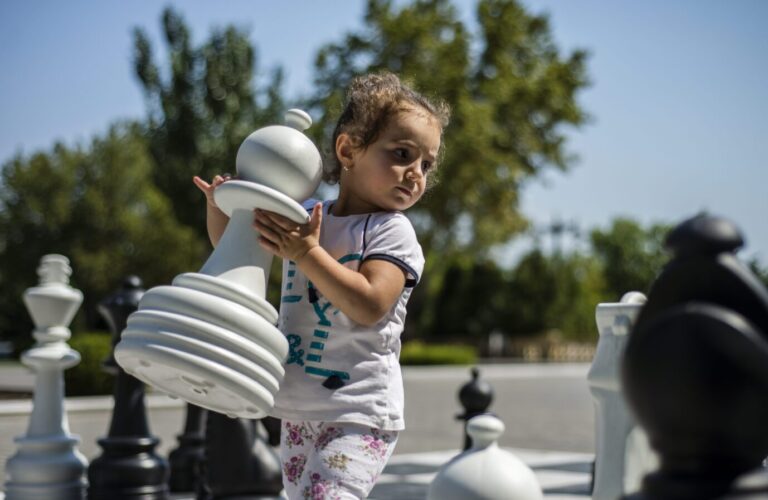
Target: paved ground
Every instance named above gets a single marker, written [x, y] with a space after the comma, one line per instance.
[544, 407]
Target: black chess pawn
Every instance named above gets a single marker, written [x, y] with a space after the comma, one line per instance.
[475, 397]
[187, 458]
[695, 371]
[128, 468]
[240, 459]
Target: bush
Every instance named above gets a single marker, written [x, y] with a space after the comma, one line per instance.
[88, 378]
[416, 352]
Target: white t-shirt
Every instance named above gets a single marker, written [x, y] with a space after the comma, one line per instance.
[338, 370]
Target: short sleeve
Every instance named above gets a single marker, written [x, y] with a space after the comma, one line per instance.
[309, 204]
[391, 237]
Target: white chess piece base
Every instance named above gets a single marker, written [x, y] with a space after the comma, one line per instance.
[210, 338]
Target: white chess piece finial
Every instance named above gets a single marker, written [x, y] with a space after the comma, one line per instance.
[623, 455]
[48, 464]
[211, 339]
[485, 471]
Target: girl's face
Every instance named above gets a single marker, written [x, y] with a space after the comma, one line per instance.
[390, 174]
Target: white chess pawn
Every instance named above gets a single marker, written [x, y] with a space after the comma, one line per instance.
[47, 463]
[210, 338]
[485, 471]
[623, 455]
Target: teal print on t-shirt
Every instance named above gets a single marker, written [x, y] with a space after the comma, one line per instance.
[349, 257]
[289, 298]
[322, 319]
[321, 334]
[295, 355]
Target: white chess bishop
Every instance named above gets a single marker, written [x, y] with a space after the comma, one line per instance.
[210, 338]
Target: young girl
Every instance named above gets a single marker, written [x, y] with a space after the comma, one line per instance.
[347, 276]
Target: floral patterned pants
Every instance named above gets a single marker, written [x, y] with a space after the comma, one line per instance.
[331, 460]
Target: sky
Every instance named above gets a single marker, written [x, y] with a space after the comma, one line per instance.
[678, 97]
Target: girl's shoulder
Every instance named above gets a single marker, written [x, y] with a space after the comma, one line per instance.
[391, 218]
[392, 237]
[394, 224]
[383, 222]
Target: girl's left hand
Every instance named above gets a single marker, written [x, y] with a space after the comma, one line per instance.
[284, 237]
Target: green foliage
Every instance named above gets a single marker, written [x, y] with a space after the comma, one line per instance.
[581, 287]
[88, 378]
[760, 271]
[471, 300]
[200, 114]
[556, 292]
[509, 103]
[512, 94]
[126, 204]
[532, 286]
[631, 256]
[99, 207]
[416, 352]
[542, 293]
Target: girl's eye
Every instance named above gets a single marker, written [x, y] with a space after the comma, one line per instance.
[426, 166]
[401, 153]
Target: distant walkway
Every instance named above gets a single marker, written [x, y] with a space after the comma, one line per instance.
[544, 406]
[15, 377]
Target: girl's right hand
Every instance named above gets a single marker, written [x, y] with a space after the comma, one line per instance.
[208, 189]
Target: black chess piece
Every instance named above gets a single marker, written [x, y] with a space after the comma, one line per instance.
[187, 458]
[475, 397]
[128, 468]
[695, 370]
[240, 460]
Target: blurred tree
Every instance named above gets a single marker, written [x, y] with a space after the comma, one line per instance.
[97, 206]
[532, 288]
[201, 108]
[512, 93]
[557, 292]
[471, 300]
[580, 287]
[760, 271]
[542, 293]
[631, 256]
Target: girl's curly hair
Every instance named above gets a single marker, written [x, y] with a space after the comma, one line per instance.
[371, 101]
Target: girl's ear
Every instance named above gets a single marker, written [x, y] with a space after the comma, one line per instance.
[345, 150]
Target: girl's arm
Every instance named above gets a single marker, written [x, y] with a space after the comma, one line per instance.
[216, 220]
[365, 296]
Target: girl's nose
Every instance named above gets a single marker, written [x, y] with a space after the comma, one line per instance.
[413, 172]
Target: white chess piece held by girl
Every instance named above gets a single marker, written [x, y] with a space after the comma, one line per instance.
[211, 338]
[347, 275]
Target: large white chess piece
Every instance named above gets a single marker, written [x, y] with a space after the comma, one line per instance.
[47, 464]
[623, 455]
[210, 338]
[485, 471]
